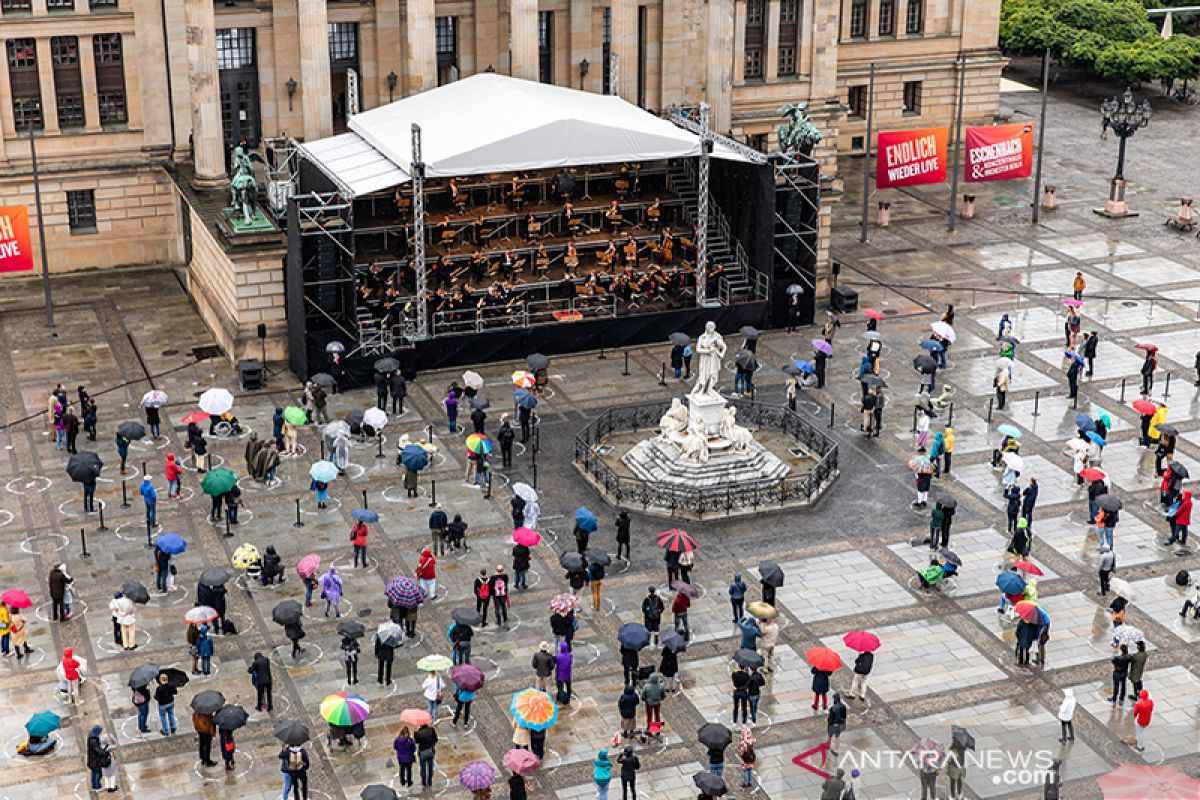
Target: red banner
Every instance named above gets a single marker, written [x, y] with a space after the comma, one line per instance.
[911, 158]
[999, 152]
[16, 254]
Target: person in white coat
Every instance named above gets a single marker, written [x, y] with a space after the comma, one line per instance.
[122, 611]
[1066, 713]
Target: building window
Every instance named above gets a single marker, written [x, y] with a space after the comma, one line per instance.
[912, 97]
[857, 101]
[235, 48]
[16, 6]
[754, 13]
[68, 82]
[789, 11]
[81, 210]
[102, 5]
[23, 83]
[60, 5]
[753, 64]
[915, 18]
[110, 78]
[758, 141]
[858, 18]
[887, 17]
[606, 49]
[546, 46]
[787, 60]
[343, 43]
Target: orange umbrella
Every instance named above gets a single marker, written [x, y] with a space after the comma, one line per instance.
[823, 659]
[873, 314]
[534, 709]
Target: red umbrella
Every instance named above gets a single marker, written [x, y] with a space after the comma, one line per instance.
[197, 417]
[15, 598]
[1092, 474]
[862, 641]
[676, 540]
[1144, 407]
[1029, 611]
[873, 314]
[1153, 348]
[1147, 782]
[1028, 568]
[526, 536]
[823, 659]
[415, 717]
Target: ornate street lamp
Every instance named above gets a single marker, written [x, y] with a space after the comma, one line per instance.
[1123, 116]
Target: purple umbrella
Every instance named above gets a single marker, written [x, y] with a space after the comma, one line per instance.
[477, 775]
[467, 677]
[404, 592]
[822, 346]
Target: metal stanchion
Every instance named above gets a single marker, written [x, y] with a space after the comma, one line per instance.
[228, 533]
[433, 493]
[488, 495]
[989, 417]
[429, 434]
[125, 495]
[537, 438]
[913, 429]
[626, 371]
[1037, 397]
[1075, 401]
[831, 408]
[364, 493]
[143, 469]
[1167, 388]
[83, 551]
[950, 416]
[297, 523]
[602, 357]
[149, 536]
[102, 527]
[379, 439]
[662, 375]
[1122, 390]
[322, 449]
[535, 476]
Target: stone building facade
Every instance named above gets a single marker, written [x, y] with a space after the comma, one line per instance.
[117, 90]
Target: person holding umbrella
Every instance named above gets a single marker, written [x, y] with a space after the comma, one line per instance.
[385, 655]
[771, 579]
[122, 450]
[206, 730]
[715, 738]
[824, 662]
[866, 644]
[228, 746]
[630, 764]
[358, 535]
[737, 596]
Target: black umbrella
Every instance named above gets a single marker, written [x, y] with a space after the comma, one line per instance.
[571, 562]
[208, 702]
[353, 418]
[466, 616]
[144, 675]
[633, 635]
[1109, 503]
[324, 379]
[714, 735]
[175, 677]
[135, 591]
[479, 401]
[1178, 470]
[749, 659]
[950, 556]
[377, 791]
[743, 358]
[537, 361]
[946, 501]
[1010, 339]
[873, 380]
[287, 612]
[84, 466]
[680, 338]
[962, 736]
[771, 573]
[292, 732]
[214, 576]
[595, 555]
[925, 363]
[709, 784]
[387, 365]
[793, 370]
[672, 641]
[231, 718]
[351, 629]
[1169, 430]
[749, 332]
[131, 430]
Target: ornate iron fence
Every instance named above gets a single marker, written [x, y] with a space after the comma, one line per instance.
[749, 496]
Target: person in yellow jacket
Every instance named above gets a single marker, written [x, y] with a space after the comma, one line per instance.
[1160, 416]
[1078, 286]
[4, 629]
[948, 449]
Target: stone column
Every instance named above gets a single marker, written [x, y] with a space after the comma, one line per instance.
[581, 46]
[315, 101]
[718, 79]
[673, 79]
[487, 35]
[151, 98]
[771, 52]
[739, 42]
[87, 74]
[624, 44]
[208, 139]
[523, 24]
[421, 65]
[46, 79]
[901, 19]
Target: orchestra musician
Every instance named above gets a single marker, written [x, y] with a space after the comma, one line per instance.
[612, 216]
[571, 261]
[654, 214]
[533, 228]
[477, 231]
[630, 251]
[541, 259]
[479, 266]
[608, 256]
[666, 247]
[516, 195]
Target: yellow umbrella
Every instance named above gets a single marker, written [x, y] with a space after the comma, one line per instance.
[244, 556]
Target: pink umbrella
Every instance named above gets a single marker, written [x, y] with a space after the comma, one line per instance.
[526, 536]
[822, 346]
[521, 762]
[15, 598]
[308, 566]
[1071, 302]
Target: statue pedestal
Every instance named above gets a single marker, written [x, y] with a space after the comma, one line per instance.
[708, 409]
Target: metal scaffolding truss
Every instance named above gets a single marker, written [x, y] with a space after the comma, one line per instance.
[799, 174]
[327, 217]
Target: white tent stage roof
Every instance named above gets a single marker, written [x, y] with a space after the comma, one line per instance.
[491, 123]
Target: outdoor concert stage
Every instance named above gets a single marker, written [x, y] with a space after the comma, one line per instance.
[565, 221]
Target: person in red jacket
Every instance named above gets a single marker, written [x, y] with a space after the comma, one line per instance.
[679, 607]
[70, 668]
[358, 538]
[427, 573]
[1180, 520]
[173, 474]
[1142, 711]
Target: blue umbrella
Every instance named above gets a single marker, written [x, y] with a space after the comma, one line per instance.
[1009, 430]
[364, 515]
[1085, 423]
[172, 543]
[930, 344]
[805, 367]
[1075, 356]
[585, 519]
[1010, 583]
[525, 398]
[323, 471]
[414, 457]
[1095, 437]
[404, 592]
[42, 723]
[633, 635]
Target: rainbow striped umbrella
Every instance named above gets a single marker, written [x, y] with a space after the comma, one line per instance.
[344, 709]
[534, 709]
[479, 443]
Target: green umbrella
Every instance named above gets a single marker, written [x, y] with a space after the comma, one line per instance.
[1104, 417]
[218, 481]
[42, 723]
[295, 415]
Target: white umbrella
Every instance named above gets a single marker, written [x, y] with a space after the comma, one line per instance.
[338, 426]
[1121, 588]
[1014, 462]
[216, 401]
[335, 347]
[943, 330]
[1080, 444]
[1007, 363]
[525, 492]
[375, 417]
[155, 398]
[1127, 635]
[472, 379]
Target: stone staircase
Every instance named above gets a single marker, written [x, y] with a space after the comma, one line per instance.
[659, 462]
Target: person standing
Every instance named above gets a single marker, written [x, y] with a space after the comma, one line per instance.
[462, 705]
[1147, 371]
[71, 424]
[437, 530]
[260, 679]
[542, 664]
[204, 649]
[406, 754]
[426, 573]
[506, 436]
[1066, 715]
[382, 385]
[740, 679]
[770, 637]
[630, 764]
[295, 762]
[358, 540]
[671, 557]
[426, 739]
[122, 608]
[563, 663]
[835, 723]
[482, 593]
[1029, 500]
[601, 773]
[652, 611]
[1143, 709]
[205, 729]
[451, 403]
[1012, 497]
[1073, 371]
[294, 633]
[98, 756]
[88, 412]
[150, 498]
[863, 664]
[947, 449]
[747, 758]
[432, 688]
[1077, 286]
[737, 597]
[498, 588]
[820, 688]
[1120, 673]
[679, 607]
[1001, 381]
[595, 573]
[399, 390]
[623, 535]
[71, 667]
[331, 590]
[956, 769]
[228, 747]
[1107, 564]
[1180, 520]
[1090, 342]
[164, 695]
[627, 708]
[122, 450]
[350, 650]
[1137, 667]
[653, 693]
